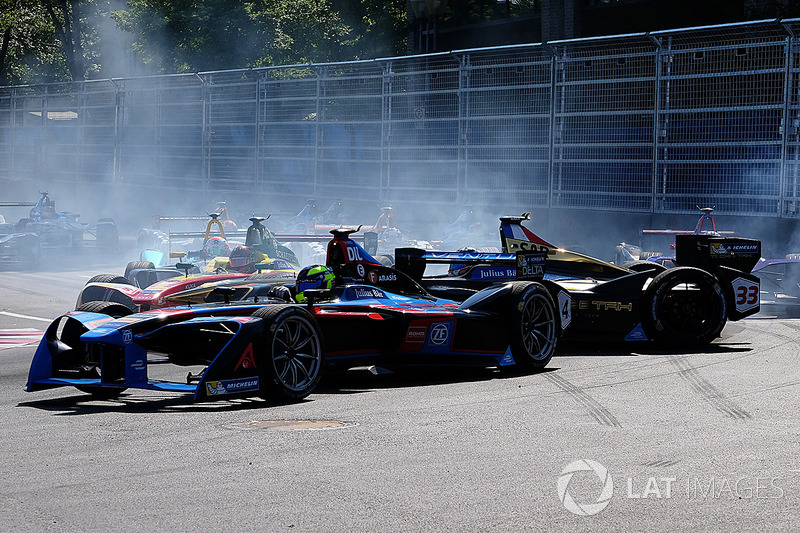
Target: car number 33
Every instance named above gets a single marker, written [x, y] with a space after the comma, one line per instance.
[746, 294]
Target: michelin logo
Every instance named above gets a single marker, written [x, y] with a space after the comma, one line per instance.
[231, 386]
[727, 248]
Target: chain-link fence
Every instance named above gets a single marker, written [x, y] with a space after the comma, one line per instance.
[649, 123]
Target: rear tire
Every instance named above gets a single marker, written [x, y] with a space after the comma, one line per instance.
[533, 328]
[291, 353]
[112, 309]
[643, 266]
[683, 306]
[109, 278]
[106, 233]
[136, 265]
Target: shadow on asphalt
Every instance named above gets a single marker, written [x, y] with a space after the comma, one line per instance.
[364, 379]
[355, 381]
[133, 402]
[573, 349]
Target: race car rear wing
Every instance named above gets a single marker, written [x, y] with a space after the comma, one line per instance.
[368, 239]
[158, 219]
[522, 265]
[710, 252]
[698, 229]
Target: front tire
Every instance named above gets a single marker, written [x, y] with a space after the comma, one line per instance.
[683, 306]
[291, 353]
[533, 332]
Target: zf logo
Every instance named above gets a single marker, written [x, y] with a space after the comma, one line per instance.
[439, 334]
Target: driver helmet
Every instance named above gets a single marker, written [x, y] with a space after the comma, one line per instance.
[313, 277]
[216, 247]
[244, 259]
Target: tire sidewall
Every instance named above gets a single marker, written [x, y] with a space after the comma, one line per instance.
[114, 309]
[272, 386]
[655, 324]
[109, 278]
[136, 265]
[644, 266]
[522, 293]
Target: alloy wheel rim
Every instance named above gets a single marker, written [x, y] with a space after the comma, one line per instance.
[297, 353]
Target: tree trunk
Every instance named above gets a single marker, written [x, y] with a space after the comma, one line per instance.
[79, 68]
[69, 37]
[3, 52]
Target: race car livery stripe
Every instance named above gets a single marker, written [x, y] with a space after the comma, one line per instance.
[514, 231]
[350, 314]
[375, 315]
[449, 257]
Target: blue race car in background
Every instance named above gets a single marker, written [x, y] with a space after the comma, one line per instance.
[45, 230]
[268, 347]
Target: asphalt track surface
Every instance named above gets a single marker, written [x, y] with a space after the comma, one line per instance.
[634, 439]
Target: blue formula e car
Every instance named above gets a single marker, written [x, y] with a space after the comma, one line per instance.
[270, 347]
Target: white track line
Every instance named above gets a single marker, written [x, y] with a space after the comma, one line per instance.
[15, 315]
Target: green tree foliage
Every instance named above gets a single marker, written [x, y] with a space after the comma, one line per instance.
[189, 36]
[30, 52]
[69, 40]
[381, 26]
[50, 40]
